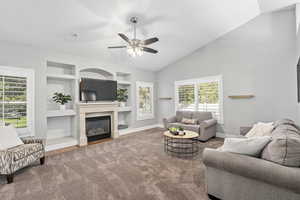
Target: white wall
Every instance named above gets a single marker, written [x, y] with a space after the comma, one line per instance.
[258, 58]
[28, 57]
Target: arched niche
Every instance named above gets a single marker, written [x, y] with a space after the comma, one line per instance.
[96, 73]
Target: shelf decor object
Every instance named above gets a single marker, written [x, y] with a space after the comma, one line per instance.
[61, 99]
[241, 96]
[122, 96]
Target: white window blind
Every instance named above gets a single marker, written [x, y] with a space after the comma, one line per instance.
[186, 97]
[145, 102]
[17, 99]
[203, 94]
[13, 101]
[208, 95]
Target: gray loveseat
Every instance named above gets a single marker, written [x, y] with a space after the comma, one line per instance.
[232, 176]
[205, 125]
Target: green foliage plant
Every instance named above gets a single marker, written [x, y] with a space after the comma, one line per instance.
[61, 98]
[122, 94]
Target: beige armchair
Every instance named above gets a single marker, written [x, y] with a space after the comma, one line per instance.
[18, 157]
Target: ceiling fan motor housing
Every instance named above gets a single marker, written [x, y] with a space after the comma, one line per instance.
[134, 20]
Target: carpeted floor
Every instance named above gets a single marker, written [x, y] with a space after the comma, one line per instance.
[133, 167]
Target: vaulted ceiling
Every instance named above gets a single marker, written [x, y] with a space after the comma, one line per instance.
[182, 26]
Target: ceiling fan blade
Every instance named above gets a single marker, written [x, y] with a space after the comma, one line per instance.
[150, 41]
[116, 47]
[149, 50]
[124, 37]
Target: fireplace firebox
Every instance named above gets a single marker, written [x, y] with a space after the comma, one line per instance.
[98, 128]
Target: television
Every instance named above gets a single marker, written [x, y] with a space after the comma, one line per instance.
[98, 90]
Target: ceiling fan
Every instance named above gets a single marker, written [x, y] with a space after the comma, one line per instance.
[136, 47]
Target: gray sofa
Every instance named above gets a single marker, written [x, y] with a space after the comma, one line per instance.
[232, 176]
[205, 125]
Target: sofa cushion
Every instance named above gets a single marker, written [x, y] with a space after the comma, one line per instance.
[248, 146]
[283, 122]
[284, 149]
[188, 127]
[285, 128]
[189, 121]
[287, 123]
[25, 150]
[201, 116]
[183, 114]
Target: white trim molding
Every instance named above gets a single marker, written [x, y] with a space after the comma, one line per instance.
[30, 76]
[194, 83]
[133, 130]
[150, 85]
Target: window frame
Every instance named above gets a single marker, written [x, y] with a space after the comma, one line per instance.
[139, 115]
[29, 75]
[195, 82]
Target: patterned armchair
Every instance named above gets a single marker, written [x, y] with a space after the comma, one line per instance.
[18, 157]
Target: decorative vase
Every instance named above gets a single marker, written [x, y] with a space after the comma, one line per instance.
[122, 104]
[62, 107]
[181, 133]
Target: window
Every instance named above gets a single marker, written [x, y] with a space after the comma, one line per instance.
[204, 94]
[145, 106]
[16, 98]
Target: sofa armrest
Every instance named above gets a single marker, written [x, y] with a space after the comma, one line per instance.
[208, 123]
[244, 130]
[254, 168]
[6, 158]
[32, 140]
[166, 121]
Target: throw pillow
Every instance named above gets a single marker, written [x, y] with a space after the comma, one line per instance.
[188, 121]
[284, 150]
[247, 146]
[261, 129]
[9, 137]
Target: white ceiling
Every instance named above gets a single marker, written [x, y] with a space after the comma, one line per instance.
[181, 26]
[271, 5]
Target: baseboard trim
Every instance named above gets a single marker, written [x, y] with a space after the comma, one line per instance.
[133, 130]
[220, 135]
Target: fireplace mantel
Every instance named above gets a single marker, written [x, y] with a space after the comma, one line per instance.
[97, 109]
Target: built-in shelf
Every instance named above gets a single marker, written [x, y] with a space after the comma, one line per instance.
[124, 109]
[60, 113]
[61, 76]
[59, 143]
[241, 96]
[165, 98]
[124, 82]
[61, 124]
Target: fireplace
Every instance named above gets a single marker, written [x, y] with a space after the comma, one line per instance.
[98, 128]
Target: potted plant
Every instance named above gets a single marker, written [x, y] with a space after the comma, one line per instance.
[122, 96]
[173, 130]
[181, 130]
[61, 99]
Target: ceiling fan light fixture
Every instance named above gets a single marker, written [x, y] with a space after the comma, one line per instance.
[136, 47]
[134, 51]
